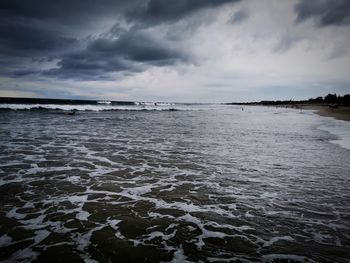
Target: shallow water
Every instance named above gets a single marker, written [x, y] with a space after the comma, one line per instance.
[218, 185]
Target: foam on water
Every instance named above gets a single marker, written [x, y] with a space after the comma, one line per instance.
[179, 256]
[5, 240]
[341, 129]
[102, 107]
[211, 186]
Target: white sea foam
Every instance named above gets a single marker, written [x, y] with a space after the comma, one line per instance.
[77, 199]
[276, 239]
[205, 233]
[73, 179]
[137, 191]
[98, 107]
[82, 215]
[22, 255]
[13, 214]
[84, 240]
[179, 256]
[113, 223]
[40, 235]
[104, 102]
[5, 240]
[156, 234]
[339, 128]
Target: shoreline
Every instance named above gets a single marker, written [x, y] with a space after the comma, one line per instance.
[340, 113]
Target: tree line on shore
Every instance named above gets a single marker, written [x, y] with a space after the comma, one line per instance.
[330, 99]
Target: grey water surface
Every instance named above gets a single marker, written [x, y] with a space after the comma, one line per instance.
[202, 184]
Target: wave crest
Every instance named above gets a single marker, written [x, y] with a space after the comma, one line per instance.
[100, 107]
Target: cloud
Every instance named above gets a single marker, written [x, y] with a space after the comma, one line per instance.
[158, 11]
[32, 38]
[136, 46]
[132, 51]
[71, 12]
[91, 39]
[185, 50]
[326, 12]
[239, 16]
[44, 28]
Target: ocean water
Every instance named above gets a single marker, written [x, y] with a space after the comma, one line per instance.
[173, 183]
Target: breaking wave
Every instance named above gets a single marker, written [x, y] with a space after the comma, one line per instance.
[99, 107]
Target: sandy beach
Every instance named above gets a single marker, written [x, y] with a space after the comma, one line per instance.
[341, 113]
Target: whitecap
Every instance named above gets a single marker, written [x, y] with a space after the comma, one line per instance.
[339, 128]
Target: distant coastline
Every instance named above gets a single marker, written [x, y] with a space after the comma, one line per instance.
[340, 113]
[331, 105]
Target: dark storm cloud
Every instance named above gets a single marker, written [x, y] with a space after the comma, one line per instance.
[31, 38]
[157, 11]
[64, 11]
[41, 27]
[136, 46]
[133, 51]
[72, 11]
[64, 31]
[326, 12]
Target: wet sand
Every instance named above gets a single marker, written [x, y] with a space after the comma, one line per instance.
[341, 113]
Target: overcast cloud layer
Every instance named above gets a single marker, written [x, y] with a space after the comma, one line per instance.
[183, 50]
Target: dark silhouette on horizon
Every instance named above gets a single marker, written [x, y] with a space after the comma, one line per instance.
[331, 100]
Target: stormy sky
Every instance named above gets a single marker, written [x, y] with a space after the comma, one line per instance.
[167, 50]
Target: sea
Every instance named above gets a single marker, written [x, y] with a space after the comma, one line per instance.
[172, 182]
